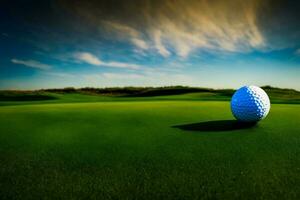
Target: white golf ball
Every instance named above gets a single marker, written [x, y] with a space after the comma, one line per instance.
[250, 104]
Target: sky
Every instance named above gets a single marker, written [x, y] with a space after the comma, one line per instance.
[108, 43]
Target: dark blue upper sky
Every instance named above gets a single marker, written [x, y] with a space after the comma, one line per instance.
[220, 44]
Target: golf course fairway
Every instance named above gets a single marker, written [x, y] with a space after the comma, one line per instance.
[147, 150]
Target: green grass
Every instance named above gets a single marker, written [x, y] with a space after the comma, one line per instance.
[67, 95]
[130, 149]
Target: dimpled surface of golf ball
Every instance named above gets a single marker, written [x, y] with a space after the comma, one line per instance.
[250, 104]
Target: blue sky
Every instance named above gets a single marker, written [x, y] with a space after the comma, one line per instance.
[55, 44]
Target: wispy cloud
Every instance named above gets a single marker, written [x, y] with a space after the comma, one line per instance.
[208, 25]
[121, 76]
[60, 74]
[141, 44]
[88, 58]
[94, 60]
[32, 64]
[139, 79]
[127, 32]
[223, 31]
[157, 38]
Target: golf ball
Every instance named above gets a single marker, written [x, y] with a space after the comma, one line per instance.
[250, 104]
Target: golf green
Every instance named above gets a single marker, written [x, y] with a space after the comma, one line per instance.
[147, 150]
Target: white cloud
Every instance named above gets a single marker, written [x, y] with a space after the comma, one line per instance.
[121, 65]
[138, 79]
[94, 60]
[60, 74]
[121, 76]
[139, 43]
[159, 45]
[128, 33]
[88, 58]
[32, 64]
[185, 27]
